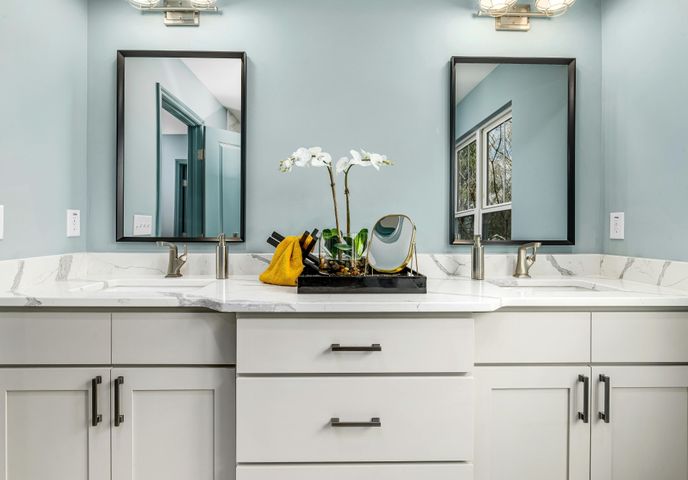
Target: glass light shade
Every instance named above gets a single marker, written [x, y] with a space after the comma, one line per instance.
[203, 3]
[553, 7]
[144, 3]
[496, 7]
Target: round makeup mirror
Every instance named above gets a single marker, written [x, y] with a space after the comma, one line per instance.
[392, 244]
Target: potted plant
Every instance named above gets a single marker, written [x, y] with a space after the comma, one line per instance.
[344, 250]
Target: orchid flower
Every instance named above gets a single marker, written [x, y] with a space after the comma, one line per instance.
[314, 157]
[306, 157]
[344, 165]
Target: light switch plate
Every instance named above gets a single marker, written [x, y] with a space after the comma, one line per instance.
[617, 226]
[143, 225]
[2, 222]
[73, 223]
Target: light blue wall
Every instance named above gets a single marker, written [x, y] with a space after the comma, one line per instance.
[539, 103]
[344, 74]
[644, 111]
[42, 124]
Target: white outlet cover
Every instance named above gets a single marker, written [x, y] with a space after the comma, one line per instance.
[2, 222]
[143, 225]
[73, 223]
[617, 227]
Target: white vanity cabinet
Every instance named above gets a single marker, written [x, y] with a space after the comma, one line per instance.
[640, 373]
[159, 404]
[173, 423]
[362, 396]
[528, 425]
[531, 396]
[645, 434]
[528, 399]
[55, 423]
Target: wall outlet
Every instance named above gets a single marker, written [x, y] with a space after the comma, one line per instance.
[73, 223]
[2, 222]
[143, 225]
[616, 226]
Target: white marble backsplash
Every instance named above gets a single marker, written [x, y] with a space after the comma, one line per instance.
[16, 274]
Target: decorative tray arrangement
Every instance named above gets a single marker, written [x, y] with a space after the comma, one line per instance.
[405, 282]
[377, 261]
[314, 280]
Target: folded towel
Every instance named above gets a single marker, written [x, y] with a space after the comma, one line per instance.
[286, 264]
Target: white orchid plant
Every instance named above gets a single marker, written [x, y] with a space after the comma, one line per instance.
[315, 157]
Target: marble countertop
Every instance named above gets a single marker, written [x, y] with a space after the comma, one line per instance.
[246, 293]
[107, 280]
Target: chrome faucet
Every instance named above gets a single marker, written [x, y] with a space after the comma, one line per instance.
[175, 261]
[525, 261]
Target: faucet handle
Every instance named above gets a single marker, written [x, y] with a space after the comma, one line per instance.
[184, 255]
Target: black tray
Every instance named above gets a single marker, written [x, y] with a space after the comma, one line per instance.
[407, 281]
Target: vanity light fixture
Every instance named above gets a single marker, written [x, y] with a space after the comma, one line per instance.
[553, 8]
[513, 17]
[185, 13]
[495, 8]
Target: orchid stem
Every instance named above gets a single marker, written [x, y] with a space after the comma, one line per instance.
[333, 186]
[348, 197]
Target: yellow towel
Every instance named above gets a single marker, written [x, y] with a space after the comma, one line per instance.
[286, 264]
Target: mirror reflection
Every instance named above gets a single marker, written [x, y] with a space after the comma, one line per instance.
[511, 154]
[181, 148]
[392, 244]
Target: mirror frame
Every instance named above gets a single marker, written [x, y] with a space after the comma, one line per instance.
[119, 215]
[571, 144]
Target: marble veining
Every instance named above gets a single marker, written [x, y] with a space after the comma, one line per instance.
[563, 271]
[83, 280]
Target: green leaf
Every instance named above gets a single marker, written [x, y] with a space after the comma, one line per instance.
[331, 238]
[343, 247]
[361, 242]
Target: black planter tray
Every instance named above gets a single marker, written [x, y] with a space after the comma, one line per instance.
[407, 281]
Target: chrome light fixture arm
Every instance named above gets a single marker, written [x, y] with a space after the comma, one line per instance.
[177, 12]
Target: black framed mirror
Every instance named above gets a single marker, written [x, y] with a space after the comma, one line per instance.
[181, 146]
[512, 152]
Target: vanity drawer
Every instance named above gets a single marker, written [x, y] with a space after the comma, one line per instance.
[54, 338]
[532, 337]
[392, 471]
[304, 345]
[640, 337]
[173, 339]
[288, 419]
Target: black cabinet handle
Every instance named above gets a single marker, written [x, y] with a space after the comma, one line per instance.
[375, 347]
[585, 416]
[96, 418]
[374, 422]
[119, 417]
[605, 415]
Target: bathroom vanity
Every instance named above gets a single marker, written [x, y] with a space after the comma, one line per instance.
[240, 380]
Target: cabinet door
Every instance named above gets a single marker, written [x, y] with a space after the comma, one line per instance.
[173, 424]
[528, 425]
[645, 434]
[47, 426]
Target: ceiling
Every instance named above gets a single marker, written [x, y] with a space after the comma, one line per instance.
[221, 76]
[469, 76]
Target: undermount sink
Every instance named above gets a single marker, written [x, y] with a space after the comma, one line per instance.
[549, 285]
[147, 285]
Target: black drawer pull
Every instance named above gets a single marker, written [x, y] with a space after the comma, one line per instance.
[605, 415]
[375, 347]
[374, 422]
[119, 417]
[585, 416]
[96, 417]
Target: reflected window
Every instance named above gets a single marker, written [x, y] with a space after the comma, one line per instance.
[484, 179]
